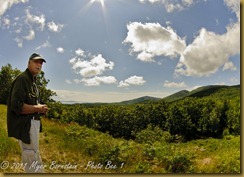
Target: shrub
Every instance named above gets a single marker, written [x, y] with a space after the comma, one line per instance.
[178, 164]
[152, 134]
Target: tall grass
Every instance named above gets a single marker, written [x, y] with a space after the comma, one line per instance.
[9, 148]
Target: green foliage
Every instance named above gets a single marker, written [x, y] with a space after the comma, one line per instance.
[45, 93]
[178, 164]
[7, 75]
[233, 114]
[7, 145]
[71, 142]
[159, 128]
[188, 118]
[142, 167]
[217, 91]
[56, 110]
[151, 135]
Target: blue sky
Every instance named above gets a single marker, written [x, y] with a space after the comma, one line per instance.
[116, 50]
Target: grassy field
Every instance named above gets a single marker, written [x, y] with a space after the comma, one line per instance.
[70, 148]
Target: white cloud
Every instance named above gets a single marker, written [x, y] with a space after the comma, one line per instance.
[44, 45]
[123, 84]
[29, 22]
[97, 65]
[5, 23]
[220, 83]
[209, 51]
[91, 68]
[204, 56]
[151, 39]
[52, 26]
[19, 42]
[80, 52]
[229, 66]
[133, 80]
[60, 50]
[33, 19]
[172, 5]
[96, 81]
[234, 5]
[7, 4]
[174, 84]
[30, 36]
[68, 81]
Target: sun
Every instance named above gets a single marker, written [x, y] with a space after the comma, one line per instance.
[99, 1]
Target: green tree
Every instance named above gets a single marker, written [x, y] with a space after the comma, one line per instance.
[45, 93]
[234, 116]
[7, 75]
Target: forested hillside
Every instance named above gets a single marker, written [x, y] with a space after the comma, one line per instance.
[210, 113]
[217, 91]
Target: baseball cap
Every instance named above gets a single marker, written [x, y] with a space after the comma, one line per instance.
[36, 56]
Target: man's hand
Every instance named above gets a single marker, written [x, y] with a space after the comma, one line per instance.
[42, 108]
[30, 109]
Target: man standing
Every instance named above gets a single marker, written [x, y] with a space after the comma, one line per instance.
[24, 111]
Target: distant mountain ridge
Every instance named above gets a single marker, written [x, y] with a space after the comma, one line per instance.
[215, 90]
[201, 92]
[178, 95]
[140, 100]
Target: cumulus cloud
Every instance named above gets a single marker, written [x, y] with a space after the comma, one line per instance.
[34, 22]
[40, 21]
[174, 84]
[52, 26]
[133, 80]
[46, 44]
[96, 81]
[229, 66]
[60, 50]
[209, 52]
[34, 19]
[151, 39]
[93, 67]
[31, 23]
[30, 36]
[234, 5]
[7, 4]
[80, 52]
[172, 5]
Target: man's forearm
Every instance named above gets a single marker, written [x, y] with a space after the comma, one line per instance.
[29, 109]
